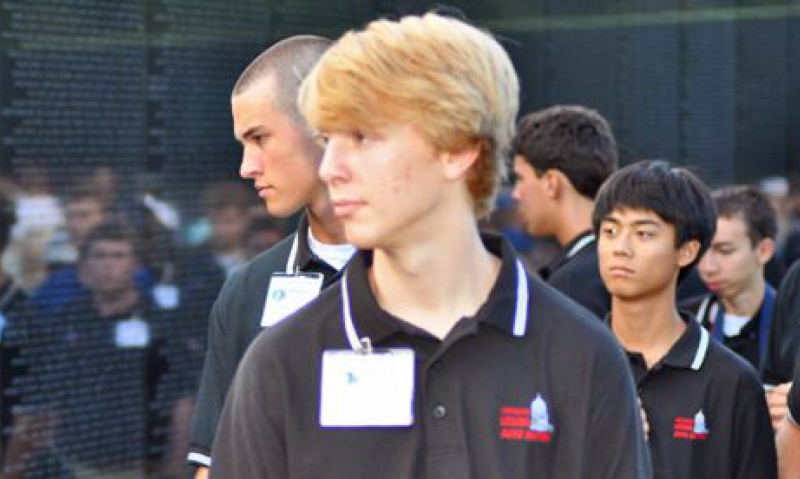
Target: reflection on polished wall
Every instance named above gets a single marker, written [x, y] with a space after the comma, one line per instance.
[125, 214]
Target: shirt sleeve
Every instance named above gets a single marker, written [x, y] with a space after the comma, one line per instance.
[794, 394]
[250, 440]
[615, 435]
[753, 437]
[219, 367]
[585, 288]
[784, 334]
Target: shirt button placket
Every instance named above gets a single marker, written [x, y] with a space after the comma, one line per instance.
[439, 411]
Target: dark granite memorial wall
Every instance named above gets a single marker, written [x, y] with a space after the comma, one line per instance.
[116, 113]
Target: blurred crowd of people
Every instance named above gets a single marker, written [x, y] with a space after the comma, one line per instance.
[88, 261]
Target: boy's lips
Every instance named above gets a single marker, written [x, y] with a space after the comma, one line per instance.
[346, 207]
[264, 190]
[621, 271]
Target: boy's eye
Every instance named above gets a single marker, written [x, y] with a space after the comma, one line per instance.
[607, 230]
[321, 139]
[359, 137]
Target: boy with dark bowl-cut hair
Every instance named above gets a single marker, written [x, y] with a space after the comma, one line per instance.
[705, 406]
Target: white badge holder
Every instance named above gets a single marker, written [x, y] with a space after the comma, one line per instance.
[363, 387]
[288, 293]
[167, 296]
[367, 388]
[132, 333]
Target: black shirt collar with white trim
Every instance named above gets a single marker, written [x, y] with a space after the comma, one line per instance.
[469, 388]
[568, 251]
[497, 311]
[701, 378]
[689, 351]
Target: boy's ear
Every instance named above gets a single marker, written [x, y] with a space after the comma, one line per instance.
[765, 249]
[687, 253]
[553, 183]
[456, 164]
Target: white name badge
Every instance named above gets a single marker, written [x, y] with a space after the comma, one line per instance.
[288, 293]
[367, 390]
[133, 333]
[167, 296]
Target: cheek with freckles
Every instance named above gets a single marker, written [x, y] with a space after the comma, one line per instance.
[401, 181]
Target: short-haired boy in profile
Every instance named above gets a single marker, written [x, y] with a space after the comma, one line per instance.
[562, 155]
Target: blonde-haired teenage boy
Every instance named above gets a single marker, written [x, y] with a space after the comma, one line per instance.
[436, 355]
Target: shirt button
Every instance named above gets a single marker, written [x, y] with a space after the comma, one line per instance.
[439, 411]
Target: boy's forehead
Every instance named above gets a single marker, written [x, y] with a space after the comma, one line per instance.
[733, 219]
[634, 215]
[731, 226]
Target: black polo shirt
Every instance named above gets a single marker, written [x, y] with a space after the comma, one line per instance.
[746, 343]
[794, 395]
[474, 393]
[576, 274]
[99, 382]
[707, 411]
[784, 336]
[234, 322]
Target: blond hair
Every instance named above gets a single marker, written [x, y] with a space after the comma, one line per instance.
[454, 83]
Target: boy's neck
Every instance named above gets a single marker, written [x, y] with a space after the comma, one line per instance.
[325, 226]
[117, 302]
[575, 219]
[649, 326]
[748, 301]
[435, 282]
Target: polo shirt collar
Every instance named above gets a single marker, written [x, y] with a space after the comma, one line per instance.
[569, 251]
[9, 291]
[301, 254]
[301, 258]
[500, 309]
[691, 348]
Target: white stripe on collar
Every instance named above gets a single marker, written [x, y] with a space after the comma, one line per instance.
[701, 312]
[198, 458]
[702, 349]
[520, 310]
[9, 294]
[290, 267]
[347, 317]
[582, 243]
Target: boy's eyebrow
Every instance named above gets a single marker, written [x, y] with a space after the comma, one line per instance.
[722, 243]
[252, 132]
[644, 222]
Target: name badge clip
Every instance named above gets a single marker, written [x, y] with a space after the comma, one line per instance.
[365, 346]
